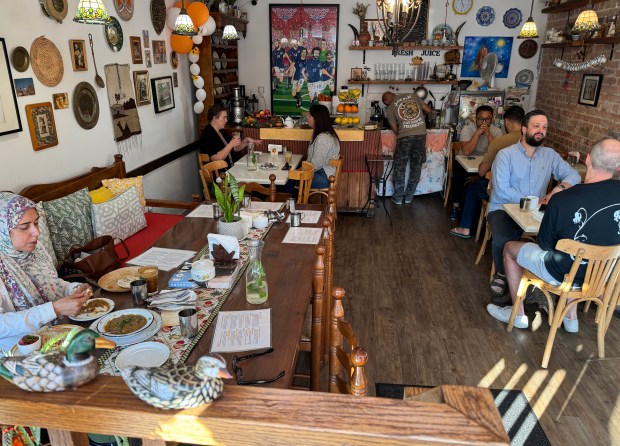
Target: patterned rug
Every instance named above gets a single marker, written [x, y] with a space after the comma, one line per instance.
[518, 418]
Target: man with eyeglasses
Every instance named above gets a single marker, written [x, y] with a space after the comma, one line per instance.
[475, 138]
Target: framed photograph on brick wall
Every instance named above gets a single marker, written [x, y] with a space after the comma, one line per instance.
[590, 89]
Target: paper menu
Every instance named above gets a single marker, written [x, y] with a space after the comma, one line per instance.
[238, 331]
[164, 258]
[265, 206]
[303, 236]
[309, 217]
[202, 211]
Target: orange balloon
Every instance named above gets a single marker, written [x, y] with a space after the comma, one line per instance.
[181, 44]
[179, 4]
[199, 13]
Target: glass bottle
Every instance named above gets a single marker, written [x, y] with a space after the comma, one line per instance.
[252, 160]
[255, 277]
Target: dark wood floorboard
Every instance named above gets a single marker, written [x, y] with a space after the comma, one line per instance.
[417, 303]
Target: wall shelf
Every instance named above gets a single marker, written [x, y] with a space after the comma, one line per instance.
[418, 82]
[569, 6]
[585, 42]
[406, 48]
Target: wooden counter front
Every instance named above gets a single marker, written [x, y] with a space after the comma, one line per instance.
[297, 134]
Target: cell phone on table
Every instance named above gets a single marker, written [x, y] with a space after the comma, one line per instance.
[542, 208]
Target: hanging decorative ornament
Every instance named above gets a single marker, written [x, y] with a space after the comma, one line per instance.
[199, 107]
[171, 16]
[194, 69]
[201, 95]
[194, 55]
[199, 82]
[209, 27]
[580, 66]
[197, 39]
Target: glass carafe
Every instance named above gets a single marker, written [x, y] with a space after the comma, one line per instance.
[252, 159]
[255, 277]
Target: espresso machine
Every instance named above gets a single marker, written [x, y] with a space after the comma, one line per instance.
[377, 113]
[237, 106]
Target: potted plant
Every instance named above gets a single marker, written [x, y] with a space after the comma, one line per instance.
[229, 198]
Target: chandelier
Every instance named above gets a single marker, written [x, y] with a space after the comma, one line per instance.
[397, 19]
[183, 26]
[92, 12]
[529, 30]
[587, 21]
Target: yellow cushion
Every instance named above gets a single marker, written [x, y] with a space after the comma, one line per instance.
[101, 195]
[120, 185]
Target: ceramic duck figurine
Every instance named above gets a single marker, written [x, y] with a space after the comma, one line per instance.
[57, 370]
[178, 386]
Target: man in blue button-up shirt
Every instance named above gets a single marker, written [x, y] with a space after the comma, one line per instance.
[518, 171]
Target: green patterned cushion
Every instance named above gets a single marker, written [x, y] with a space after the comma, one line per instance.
[70, 221]
[44, 237]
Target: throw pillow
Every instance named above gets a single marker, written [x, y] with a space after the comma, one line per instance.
[120, 217]
[44, 237]
[70, 221]
[101, 195]
[120, 185]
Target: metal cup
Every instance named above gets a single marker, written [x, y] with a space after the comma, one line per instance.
[139, 291]
[188, 320]
[524, 204]
[295, 218]
[290, 204]
[217, 210]
[247, 201]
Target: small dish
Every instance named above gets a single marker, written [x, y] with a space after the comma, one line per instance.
[28, 344]
[216, 61]
[144, 354]
[217, 83]
[100, 307]
[224, 63]
[20, 59]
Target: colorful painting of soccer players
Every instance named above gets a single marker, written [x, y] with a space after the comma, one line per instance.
[303, 56]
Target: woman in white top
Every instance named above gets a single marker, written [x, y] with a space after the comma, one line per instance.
[324, 146]
[31, 294]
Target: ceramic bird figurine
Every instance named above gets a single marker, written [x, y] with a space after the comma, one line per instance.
[178, 386]
[57, 370]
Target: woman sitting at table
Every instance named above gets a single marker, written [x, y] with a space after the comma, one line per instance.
[217, 144]
[31, 294]
[323, 147]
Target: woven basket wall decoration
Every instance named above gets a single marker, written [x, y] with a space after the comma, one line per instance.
[46, 62]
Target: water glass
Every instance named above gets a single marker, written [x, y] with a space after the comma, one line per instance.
[139, 291]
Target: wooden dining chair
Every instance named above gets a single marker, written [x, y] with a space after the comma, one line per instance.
[203, 158]
[599, 286]
[258, 192]
[304, 176]
[209, 172]
[455, 147]
[346, 359]
[484, 213]
[337, 163]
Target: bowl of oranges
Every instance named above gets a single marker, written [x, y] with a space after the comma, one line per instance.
[347, 108]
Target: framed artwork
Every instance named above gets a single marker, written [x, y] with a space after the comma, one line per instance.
[163, 95]
[478, 47]
[61, 100]
[24, 87]
[175, 79]
[78, 55]
[159, 51]
[145, 39]
[40, 119]
[141, 84]
[10, 121]
[303, 70]
[356, 74]
[147, 57]
[136, 49]
[174, 60]
[590, 89]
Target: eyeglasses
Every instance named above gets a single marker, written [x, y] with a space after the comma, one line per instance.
[239, 372]
[489, 119]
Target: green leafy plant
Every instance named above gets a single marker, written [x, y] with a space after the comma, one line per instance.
[230, 199]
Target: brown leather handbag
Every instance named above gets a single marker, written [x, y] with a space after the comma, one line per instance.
[101, 259]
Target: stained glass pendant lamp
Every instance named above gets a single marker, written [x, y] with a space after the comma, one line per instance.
[183, 26]
[91, 12]
[230, 33]
[587, 21]
[529, 30]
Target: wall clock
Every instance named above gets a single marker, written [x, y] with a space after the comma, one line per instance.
[462, 6]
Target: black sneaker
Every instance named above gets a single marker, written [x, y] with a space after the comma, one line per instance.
[501, 300]
[455, 213]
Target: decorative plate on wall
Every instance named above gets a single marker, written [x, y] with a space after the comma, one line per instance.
[442, 29]
[124, 8]
[20, 59]
[158, 15]
[54, 9]
[46, 62]
[113, 33]
[85, 105]
[524, 78]
[485, 16]
[528, 48]
[512, 18]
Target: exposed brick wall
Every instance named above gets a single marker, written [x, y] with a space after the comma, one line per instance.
[573, 126]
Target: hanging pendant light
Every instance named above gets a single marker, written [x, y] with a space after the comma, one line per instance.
[529, 30]
[183, 26]
[587, 21]
[230, 33]
[397, 19]
[91, 12]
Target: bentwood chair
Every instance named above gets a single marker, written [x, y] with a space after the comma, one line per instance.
[203, 158]
[346, 362]
[599, 286]
[455, 147]
[208, 173]
[304, 176]
[337, 163]
[258, 192]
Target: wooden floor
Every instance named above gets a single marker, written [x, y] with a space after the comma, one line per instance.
[417, 302]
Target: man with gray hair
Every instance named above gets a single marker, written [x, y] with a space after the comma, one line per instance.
[588, 213]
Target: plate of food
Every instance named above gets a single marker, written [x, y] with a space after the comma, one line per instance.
[119, 280]
[94, 309]
[47, 333]
[124, 322]
[144, 354]
[268, 166]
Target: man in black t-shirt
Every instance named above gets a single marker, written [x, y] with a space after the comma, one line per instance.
[588, 213]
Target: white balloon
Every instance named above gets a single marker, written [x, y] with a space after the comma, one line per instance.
[193, 58]
[199, 83]
[197, 39]
[209, 27]
[194, 69]
[199, 107]
[201, 95]
[171, 16]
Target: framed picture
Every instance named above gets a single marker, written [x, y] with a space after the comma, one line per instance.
[147, 57]
[10, 121]
[24, 87]
[303, 70]
[356, 74]
[590, 89]
[175, 79]
[78, 55]
[61, 100]
[159, 51]
[146, 39]
[136, 49]
[174, 60]
[163, 95]
[42, 126]
[476, 47]
[141, 84]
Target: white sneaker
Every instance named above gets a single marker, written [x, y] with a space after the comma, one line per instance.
[503, 314]
[571, 325]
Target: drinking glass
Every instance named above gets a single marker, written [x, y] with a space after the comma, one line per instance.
[288, 157]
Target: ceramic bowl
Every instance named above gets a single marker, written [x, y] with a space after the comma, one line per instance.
[29, 348]
[260, 222]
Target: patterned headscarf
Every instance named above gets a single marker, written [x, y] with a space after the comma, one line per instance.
[29, 278]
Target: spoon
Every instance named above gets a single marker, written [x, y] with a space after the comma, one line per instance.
[98, 79]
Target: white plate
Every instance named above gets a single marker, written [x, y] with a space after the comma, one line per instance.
[224, 63]
[104, 320]
[140, 336]
[216, 62]
[95, 314]
[143, 354]
[217, 83]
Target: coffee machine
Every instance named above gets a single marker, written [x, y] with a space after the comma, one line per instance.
[237, 106]
[377, 112]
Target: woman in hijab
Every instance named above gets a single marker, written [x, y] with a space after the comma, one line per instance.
[31, 294]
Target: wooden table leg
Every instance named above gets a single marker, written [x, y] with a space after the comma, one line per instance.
[66, 438]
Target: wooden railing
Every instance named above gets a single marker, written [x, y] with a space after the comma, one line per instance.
[257, 416]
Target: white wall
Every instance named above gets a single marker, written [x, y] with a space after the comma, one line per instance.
[254, 50]
[78, 149]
